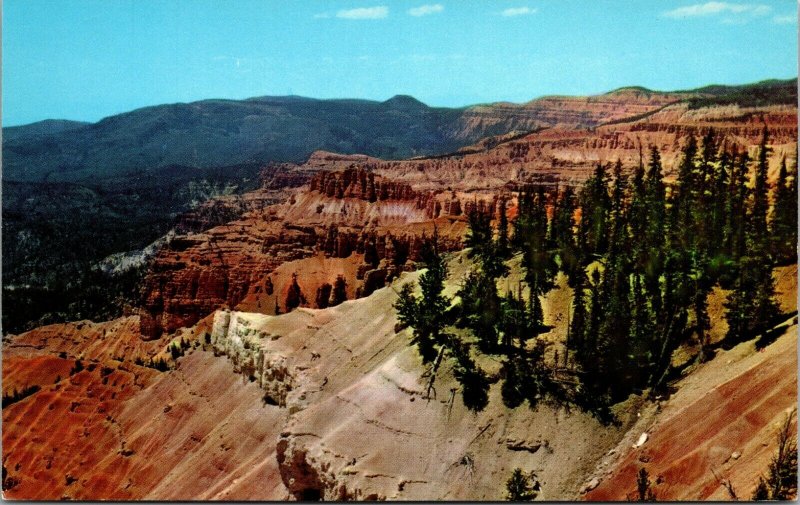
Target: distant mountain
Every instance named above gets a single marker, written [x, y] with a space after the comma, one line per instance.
[213, 133]
[223, 132]
[46, 127]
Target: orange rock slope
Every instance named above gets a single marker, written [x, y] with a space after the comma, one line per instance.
[118, 430]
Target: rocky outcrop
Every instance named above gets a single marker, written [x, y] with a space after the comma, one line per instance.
[358, 183]
[196, 273]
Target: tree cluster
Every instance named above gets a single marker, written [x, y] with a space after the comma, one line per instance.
[653, 253]
[641, 256]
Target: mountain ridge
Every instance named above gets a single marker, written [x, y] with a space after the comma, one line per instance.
[217, 132]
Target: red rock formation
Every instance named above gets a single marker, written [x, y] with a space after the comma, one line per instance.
[568, 155]
[339, 214]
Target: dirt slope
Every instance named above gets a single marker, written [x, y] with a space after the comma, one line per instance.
[121, 431]
[361, 427]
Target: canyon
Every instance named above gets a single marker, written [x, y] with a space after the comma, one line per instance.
[242, 374]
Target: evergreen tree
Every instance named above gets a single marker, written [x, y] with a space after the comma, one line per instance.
[480, 309]
[520, 488]
[426, 315]
[294, 296]
[577, 329]
[614, 329]
[482, 246]
[514, 323]
[562, 235]
[758, 215]
[781, 481]
[479, 233]
[784, 216]
[537, 260]
[502, 249]
[642, 331]
[706, 182]
[736, 208]
[618, 215]
[684, 199]
[644, 489]
[702, 321]
[473, 380]
[638, 220]
[655, 203]
[323, 295]
[719, 200]
[595, 209]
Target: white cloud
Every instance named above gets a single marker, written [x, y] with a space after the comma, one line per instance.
[424, 10]
[517, 11]
[378, 12]
[785, 20]
[717, 8]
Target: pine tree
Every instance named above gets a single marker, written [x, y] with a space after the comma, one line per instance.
[588, 355]
[644, 489]
[482, 246]
[537, 260]
[323, 295]
[479, 233]
[480, 309]
[294, 296]
[655, 203]
[684, 199]
[704, 206]
[502, 249]
[513, 322]
[618, 241]
[577, 328]
[638, 221]
[595, 208]
[758, 214]
[642, 331]
[719, 199]
[784, 217]
[781, 481]
[702, 321]
[736, 208]
[426, 315]
[520, 488]
[562, 235]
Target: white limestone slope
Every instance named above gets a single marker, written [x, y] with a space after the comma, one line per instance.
[360, 427]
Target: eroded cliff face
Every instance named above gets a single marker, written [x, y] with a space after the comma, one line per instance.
[568, 155]
[560, 111]
[377, 223]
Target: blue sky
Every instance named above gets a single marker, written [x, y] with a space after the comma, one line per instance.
[87, 59]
